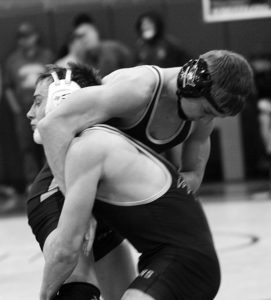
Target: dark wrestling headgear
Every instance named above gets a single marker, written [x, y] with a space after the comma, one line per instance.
[194, 81]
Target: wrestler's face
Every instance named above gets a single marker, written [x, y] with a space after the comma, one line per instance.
[37, 110]
[199, 109]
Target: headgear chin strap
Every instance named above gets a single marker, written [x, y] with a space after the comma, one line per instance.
[59, 90]
[194, 81]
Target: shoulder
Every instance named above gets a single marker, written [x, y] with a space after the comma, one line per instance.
[141, 79]
[94, 143]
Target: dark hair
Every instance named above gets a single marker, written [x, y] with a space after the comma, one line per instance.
[232, 80]
[155, 18]
[82, 18]
[83, 75]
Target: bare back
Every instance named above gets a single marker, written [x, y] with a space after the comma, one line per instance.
[131, 174]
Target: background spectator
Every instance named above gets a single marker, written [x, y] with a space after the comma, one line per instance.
[154, 46]
[73, 53]
[21, 70]
[104, 55]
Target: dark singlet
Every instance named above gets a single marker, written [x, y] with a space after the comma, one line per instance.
[142, 129]
[44, 183]
[144, 224]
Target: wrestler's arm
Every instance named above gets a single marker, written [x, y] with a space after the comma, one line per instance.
[83, 172]
[195, 154]
[121, 96]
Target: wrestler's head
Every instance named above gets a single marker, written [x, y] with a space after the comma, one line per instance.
[54, 86]
[221, 79]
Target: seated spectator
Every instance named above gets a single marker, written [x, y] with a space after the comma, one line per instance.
[20, 73]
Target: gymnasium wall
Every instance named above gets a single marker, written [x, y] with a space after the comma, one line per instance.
[116, 19]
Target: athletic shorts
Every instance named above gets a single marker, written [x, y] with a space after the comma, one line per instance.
[178, 274]
[43, 217]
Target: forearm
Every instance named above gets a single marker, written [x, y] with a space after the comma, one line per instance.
[58, 267]
[193, 163]
[56, 144]
[58, 129]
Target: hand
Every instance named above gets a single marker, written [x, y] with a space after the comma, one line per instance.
[89, 236]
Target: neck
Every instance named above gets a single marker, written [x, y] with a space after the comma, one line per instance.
[181, 112]
[170, 81]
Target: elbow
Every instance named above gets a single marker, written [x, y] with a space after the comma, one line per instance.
[66, 255]
[51, 125]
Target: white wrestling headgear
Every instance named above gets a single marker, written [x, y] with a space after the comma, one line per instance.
[58, 91]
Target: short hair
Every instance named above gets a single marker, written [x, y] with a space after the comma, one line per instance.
[232, 80]
[157, 20]
[81, 74]
[82, 18]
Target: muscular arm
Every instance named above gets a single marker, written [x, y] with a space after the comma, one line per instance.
[122, 96]
[83, 171]
[195, 154]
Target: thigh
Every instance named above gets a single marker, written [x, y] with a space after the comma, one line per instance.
[44, 213]
[115, 271]
[106, 240]
[177, 274]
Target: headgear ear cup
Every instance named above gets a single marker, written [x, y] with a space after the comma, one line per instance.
[58, 91]
[194, 81]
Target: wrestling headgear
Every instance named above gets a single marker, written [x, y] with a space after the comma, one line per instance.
[194, 81]
[58, 91]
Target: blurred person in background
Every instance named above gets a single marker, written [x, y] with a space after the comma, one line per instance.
[256, 120]
[264, 107]
[104, 55]
[75, 53]
[261, 64]
[10, 175]
[156, 47]
[20, 74]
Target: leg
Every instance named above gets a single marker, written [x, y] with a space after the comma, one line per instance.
[116, 271]
[43, 218]
[133, 294]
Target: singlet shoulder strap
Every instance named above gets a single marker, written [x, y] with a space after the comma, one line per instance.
[155, 97]
[111, 129]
